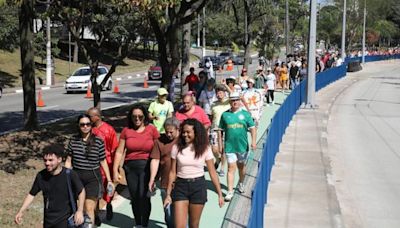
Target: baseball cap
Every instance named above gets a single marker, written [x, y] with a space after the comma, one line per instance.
[234, 96]
[250, 80]
[269, 69]
[162, 91]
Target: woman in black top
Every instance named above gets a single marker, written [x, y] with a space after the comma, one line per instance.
[85, 154]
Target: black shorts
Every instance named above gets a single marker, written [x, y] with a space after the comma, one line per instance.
[193, 189]
[92, 182]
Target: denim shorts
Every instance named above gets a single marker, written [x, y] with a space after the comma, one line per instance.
[237, 157]
[193, 189]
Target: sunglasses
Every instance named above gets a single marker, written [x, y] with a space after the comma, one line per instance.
[140, 117]
[85, 124]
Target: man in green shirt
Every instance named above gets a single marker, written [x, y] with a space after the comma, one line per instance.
[235, 123]
[160, 110]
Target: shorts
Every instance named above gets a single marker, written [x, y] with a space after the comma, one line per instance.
[193, 189]
[213, 137]
[237, 157]
[92, 182]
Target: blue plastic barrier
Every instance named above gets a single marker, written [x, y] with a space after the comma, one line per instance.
[277, 128]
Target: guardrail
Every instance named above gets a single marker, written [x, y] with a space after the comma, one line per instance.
[277, 128]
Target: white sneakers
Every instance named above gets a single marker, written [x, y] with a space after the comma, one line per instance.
[229, 196]
[241, 187]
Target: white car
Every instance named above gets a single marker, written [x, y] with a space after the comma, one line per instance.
[80, 79]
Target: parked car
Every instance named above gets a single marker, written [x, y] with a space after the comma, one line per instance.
[239, 59]
[80, 79]
[224, 56]
[155, 71]
[216, 61]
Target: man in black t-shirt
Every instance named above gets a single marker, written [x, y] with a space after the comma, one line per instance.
[52, 181]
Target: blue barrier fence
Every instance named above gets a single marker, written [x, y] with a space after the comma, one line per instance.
[277, 128]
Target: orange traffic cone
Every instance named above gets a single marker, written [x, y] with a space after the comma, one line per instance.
[145, 85]
[116, 88]
[40, 102]
[89, 92]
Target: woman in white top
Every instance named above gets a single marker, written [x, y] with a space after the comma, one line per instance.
[189, 156]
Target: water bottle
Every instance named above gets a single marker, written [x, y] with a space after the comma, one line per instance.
[109, 189]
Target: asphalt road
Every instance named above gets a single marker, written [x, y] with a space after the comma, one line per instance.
[364, 128]
[61, 105]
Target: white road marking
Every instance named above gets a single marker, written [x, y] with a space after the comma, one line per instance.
[46, 88]
[48, 107]
[19, 91]
[119, 79]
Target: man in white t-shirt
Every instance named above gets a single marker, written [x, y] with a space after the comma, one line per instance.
[270, 81]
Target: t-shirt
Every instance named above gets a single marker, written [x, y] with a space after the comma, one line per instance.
[206, 98]
[162, 151]
[188, 166]
[162, 111]
[85, 156]
[253, 100]
[191, 80]
[259, 81]
[139, 144]
[217, 109]
[270, 81]
[107, 133]
[235, 125]
[198, 114]
[57, 206]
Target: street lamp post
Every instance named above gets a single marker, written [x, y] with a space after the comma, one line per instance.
[204, 32]
[363, 38]
[310, 99]
[343, 53]
[48, 49]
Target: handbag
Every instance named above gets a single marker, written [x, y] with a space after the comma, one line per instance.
[71, 222]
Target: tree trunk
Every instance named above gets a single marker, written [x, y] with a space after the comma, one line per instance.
[247, 37]
[75, 58]
[185, 52]
[95, 87]
[26, 15]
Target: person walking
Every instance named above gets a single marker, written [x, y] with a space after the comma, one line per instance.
[254, 100]
[216, 135]
[191, 80]
[187, 187]
[107, 133]
[270, 84]
[160, 164]
[201, 86]
[283, 77]
[160, 109]
[137, 139]
[191, 110]
[85, 154]
[207, 97]
[243, 79]
[294, 75]
[235, 124]
[52, 181]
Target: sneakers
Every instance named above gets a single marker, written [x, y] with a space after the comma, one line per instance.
[229, 196]
[221, 173]
[241, 187]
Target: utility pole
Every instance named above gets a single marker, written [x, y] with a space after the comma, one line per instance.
[343, 53]
[287, 28]
[48, 50]
[363, 38]
[312, 39]
[204, 32]
[198, 30]
[69, 53]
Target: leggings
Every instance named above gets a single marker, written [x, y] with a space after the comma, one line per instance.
[270, 94]
[137, 174]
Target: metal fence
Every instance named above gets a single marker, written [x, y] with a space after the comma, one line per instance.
[277, 128]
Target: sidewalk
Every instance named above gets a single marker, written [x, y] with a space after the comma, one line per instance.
[212, 216]
[301, 191]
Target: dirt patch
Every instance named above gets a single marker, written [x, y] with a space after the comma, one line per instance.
[20, 160]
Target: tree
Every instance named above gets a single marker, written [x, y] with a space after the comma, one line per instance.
[328, 27]
[166, 19]
[108, 23]
[9, 39]
[26, 16]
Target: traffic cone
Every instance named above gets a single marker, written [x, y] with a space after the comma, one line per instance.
[116, 88]
[40, 102]
[89, 92]
[145, 85]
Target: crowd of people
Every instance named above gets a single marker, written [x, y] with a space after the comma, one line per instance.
[165, 147]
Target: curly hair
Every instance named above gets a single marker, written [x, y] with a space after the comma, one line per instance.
[200, 142]
[146, 119]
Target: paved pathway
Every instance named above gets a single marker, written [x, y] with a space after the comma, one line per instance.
[338, 164]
